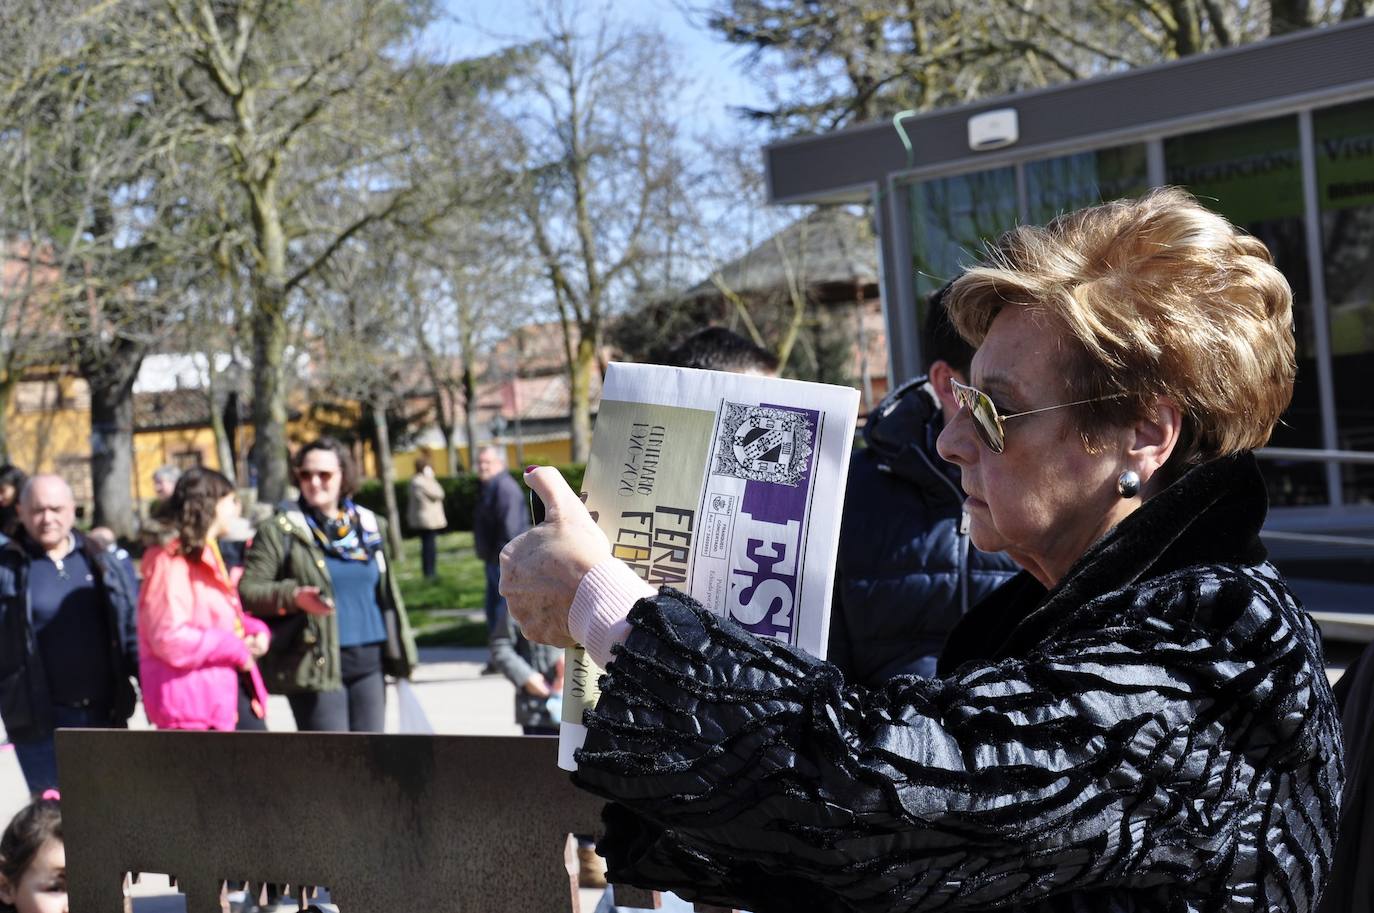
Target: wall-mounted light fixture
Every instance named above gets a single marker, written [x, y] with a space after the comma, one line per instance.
[993, 129]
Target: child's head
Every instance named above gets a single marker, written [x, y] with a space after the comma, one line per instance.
[33, 863]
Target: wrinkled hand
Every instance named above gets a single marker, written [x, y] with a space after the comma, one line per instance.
[540, 569]
[257, 643]
[309, 600]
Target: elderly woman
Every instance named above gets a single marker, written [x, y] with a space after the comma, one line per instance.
[1138, 721]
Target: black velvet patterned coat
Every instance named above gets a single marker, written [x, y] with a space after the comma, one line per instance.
[1155, 734]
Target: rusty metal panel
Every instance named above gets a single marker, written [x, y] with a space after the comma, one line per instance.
[386, 822]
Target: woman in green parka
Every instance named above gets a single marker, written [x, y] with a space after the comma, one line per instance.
[320, 573]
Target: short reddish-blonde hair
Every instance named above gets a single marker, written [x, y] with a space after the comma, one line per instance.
[1159, 296]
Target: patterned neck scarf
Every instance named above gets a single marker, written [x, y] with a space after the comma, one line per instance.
[342, 535]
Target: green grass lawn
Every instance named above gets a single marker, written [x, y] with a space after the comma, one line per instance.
[446, 611]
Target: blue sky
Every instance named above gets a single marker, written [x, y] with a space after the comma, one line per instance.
[712, 67]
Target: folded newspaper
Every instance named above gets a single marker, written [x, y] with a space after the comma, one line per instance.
[725, 486]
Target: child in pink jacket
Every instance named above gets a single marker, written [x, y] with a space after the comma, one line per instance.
[197, 648]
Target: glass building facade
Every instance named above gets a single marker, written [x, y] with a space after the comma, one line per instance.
[1302, 182]
[1278, 136]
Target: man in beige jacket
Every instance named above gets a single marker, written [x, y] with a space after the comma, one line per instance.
[425, 513]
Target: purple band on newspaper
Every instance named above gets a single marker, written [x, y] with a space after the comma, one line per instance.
[764, 584]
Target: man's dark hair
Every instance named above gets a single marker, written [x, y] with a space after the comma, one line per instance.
[942, 341]
[14, 477]
[718, 349]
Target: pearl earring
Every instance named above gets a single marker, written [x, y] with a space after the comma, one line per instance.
[1128, 483]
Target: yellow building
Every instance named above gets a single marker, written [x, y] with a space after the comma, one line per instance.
[49, 430]
[555, 451]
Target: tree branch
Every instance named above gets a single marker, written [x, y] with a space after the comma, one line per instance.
[339, 241]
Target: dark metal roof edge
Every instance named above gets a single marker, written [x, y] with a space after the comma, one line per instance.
[840, 193]
[1288, 105]
[1205, 59]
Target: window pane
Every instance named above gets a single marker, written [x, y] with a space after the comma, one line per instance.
[1059, 185]
[1252, 174]
[1345, 194]
[952, 220]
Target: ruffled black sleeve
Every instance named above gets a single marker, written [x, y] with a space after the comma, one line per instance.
[1126, 759]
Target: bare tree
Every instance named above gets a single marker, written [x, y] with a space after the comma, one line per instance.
[483, 283]
[599, 151]
[212, 329]
[467, 273]
[826, 63]
[27, 339]
[362, 331]
[733, 238]
[221, 149]
[423, 288]
[91, 186]
[300, 103]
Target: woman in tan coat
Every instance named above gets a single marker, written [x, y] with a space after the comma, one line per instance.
[425, 513]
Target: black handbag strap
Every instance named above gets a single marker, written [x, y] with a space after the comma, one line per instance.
[284, 569]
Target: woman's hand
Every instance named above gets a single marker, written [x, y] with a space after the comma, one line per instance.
[540, 570]
[309, 600]
[536, 685]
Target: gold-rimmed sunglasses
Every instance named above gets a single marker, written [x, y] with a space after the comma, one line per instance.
[986, 419]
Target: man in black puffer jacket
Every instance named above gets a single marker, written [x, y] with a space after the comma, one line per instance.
[902, 543]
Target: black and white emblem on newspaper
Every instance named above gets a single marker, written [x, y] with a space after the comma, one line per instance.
[763, 444]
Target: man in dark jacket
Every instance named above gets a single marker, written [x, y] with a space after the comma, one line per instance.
[902, 540]
[68, 631]
[499, 517]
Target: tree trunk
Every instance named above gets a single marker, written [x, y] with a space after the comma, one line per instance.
[580, 378]
[455, 466]
[444, 407]
[387, 470]
[112, 453]
[517, 404]
[269, 394]
[268, 325]
[470, 415]
[1290, 16]
[223, 451]
[1355, 9]
[1186, 31]
[7, 388]
[861, 343]
[446, 428]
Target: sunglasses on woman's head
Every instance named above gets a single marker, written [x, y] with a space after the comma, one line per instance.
[988, 422]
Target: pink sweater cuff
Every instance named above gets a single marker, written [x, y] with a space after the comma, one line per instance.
[604, 598]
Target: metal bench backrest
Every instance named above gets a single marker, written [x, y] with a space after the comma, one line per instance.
[386, 822]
